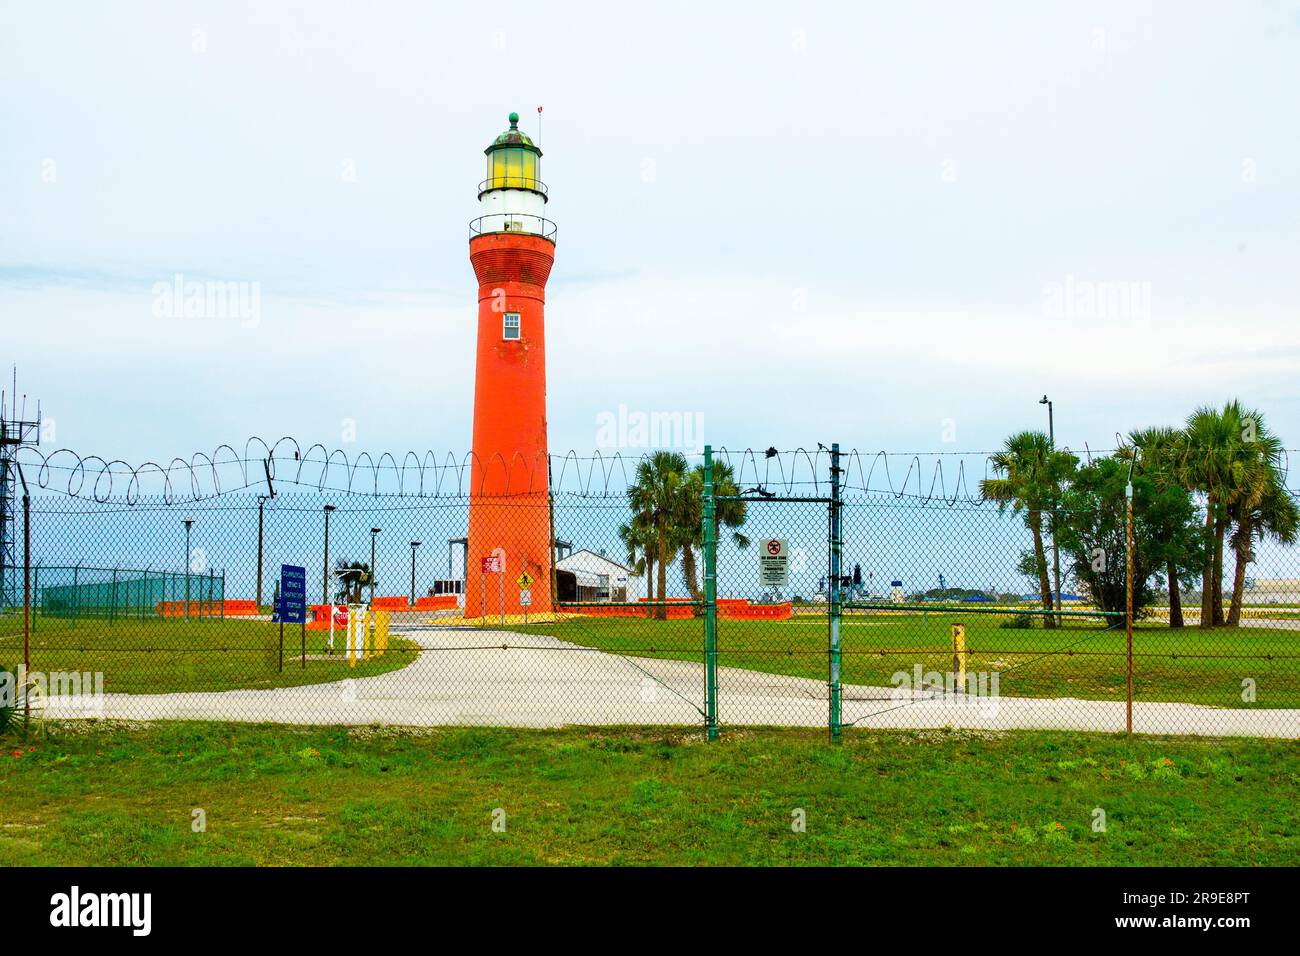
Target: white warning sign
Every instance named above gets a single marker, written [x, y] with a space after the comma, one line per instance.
[774, 563]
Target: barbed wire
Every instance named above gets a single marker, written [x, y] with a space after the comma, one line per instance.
[263, 467]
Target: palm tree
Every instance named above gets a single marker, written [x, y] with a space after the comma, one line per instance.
[1261, 506]
[1225, 460]
[1161, 457]
[1030, 476]
[1273, 515]
[639, 540]
[656, 500]
[729, 514]
[353, 578]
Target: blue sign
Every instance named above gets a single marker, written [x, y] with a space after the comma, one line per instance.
[293, 594]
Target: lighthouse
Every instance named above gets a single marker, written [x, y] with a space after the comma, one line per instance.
[511, 246]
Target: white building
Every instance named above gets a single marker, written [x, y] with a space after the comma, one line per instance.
[600, 578]
[1267, 591]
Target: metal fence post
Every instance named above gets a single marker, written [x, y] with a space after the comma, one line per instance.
[27, 600]
[837, 544]
[1128, 587]
[710, 600]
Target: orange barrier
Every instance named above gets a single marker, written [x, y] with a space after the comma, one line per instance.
[391, 604]
[321, 618]
[744, 611]
[207, 608]
[626, 610]
[436, 602]
[736, 609]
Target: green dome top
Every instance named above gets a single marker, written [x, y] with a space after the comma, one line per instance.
[513, 137]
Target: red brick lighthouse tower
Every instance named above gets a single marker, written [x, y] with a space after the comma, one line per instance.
[511, 246]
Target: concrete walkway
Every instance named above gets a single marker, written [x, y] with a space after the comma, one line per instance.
[460, 678]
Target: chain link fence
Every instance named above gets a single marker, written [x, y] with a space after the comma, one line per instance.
[813, 602]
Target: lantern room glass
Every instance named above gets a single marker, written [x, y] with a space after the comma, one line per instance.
[513, 168]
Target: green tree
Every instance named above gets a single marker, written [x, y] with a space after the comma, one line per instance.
[1272, 515]
[639, 540]
[1231, 459]
[1030, 477]
[728, 514]
[353, 578]
[1172, 513]
[655, 497]
[1094, 533]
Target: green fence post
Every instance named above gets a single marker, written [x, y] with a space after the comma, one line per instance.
[837, 545]
[710, 601]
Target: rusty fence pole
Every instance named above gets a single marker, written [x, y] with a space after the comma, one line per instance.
[1128, 587]
[27, 596]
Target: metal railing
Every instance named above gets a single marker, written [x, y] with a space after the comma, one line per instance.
[503, 222]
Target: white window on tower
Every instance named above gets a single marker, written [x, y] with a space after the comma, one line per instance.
[510, 326]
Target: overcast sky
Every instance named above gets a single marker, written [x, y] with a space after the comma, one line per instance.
[895, 225]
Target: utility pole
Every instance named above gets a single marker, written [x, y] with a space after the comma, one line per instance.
[414, 545]
[261, 502]
[325, 577]
[1056, 551]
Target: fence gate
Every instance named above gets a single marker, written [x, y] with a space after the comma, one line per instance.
[772, 601]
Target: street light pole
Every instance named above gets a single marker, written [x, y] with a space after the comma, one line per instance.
[325, 577]
[373, 534]
[414, 545]
[188, 523]
[1056, 550]
[261, 502]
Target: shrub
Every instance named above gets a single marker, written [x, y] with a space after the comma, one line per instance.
[8, 696]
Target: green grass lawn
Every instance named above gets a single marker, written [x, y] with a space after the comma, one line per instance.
[1083, 660]
[99, 795]
[154, 656]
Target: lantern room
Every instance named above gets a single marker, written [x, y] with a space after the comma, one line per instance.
[513, 161]
[512, 198]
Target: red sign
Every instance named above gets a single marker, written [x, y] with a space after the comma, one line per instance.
[774, 547]
[493, 564]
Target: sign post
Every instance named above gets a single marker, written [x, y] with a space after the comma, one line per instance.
[494, 564]
[525, 581]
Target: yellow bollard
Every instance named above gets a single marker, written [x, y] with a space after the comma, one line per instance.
[381, 633]
[959, 654]
[356, 634]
